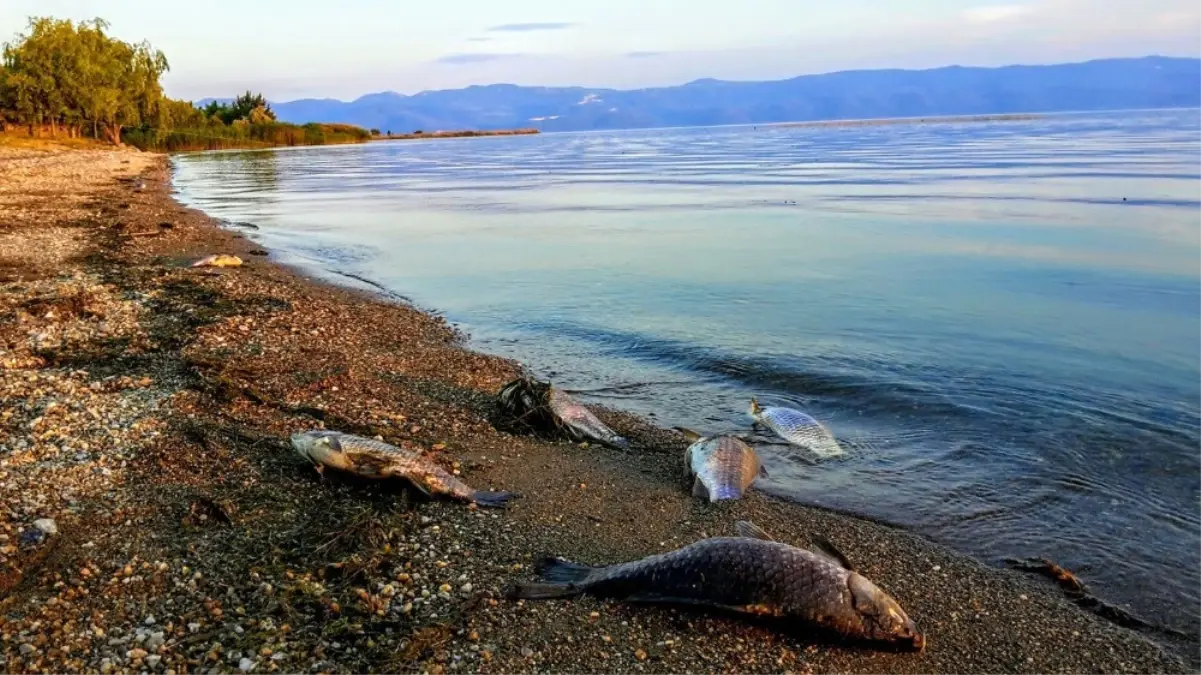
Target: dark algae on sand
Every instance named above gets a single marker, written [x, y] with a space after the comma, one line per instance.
[749, 573]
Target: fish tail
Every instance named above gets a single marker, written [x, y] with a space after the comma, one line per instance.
[560, 571]
[493, 499]
[535, 590]
[560, 579]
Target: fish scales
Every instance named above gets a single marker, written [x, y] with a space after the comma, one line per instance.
[798, 428]
[580, 418]
[408, 464]
[724, 465]
[732, 572]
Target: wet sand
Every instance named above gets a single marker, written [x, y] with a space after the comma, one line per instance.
[146, 407]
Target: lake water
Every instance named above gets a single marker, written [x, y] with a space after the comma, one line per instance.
[1001, 321]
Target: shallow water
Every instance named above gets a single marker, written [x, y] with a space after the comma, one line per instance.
[1001, 322]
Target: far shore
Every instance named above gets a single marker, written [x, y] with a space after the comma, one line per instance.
[934, 119]
[464, 133]
[155, 518]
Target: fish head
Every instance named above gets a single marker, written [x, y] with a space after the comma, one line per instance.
[314, 446]
[754, 411]
[881, 617]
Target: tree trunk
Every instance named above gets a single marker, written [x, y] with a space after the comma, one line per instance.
[114, 133]
[95, 130]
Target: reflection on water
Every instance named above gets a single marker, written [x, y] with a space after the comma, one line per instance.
[1002, 322]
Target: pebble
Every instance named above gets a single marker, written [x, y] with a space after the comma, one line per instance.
[245, 665]
[47, 526]
[152, 661]
[26, 649]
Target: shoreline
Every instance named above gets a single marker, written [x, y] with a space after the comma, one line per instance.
[190, 537]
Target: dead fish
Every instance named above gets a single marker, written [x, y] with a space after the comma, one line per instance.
[218, 260]
[540, 406]
[748, 573]
[722, 467]
[798, 428]
[369, 458]
[581, 420]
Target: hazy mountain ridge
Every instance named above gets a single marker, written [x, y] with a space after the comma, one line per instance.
[1106, 84]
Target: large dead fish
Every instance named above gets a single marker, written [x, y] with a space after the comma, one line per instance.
[374, 459]
[748, 573]
[721, 467]
[797, 428]
[542, 406]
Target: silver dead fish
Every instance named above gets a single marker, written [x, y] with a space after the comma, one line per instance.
[540, 406]
[798, 428]
[369, 458]
[722, 467]
[581, 419]
[749, 573]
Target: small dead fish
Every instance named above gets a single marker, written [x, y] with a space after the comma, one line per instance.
[581, 419]
[369, 458]
[218, 260]
[722, 467]
[797, 428]
[539, 407]
[748, 573]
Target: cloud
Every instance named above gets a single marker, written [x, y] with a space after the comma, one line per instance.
[644, 55]
[528, 27]
[482, 38]
[991, 13]
[473, 57]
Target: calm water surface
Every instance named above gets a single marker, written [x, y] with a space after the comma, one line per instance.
[1001, 321]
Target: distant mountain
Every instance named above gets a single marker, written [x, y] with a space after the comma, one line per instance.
[1107, 84]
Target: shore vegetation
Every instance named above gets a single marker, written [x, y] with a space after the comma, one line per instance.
[67, 79]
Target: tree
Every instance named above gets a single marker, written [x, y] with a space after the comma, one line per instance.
[67, 73]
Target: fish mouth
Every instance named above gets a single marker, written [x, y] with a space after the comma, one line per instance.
[916, 643]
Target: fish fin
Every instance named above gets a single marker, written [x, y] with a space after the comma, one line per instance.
[763, 471]
[827, 548]
[557, 570]
[745, 528]
[755, 409]
[620, 443]
[493, 499]
[536, 590]
[699, 489]
[689, 435]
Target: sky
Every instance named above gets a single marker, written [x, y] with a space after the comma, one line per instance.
[344, 49]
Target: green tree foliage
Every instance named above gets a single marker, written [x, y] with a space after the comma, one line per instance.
[64, 75]
[74, 77]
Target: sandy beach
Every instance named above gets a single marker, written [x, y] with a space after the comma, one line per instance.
[145, 407]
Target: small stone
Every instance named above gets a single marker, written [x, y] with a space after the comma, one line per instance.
[152, 661]
[149, 621]
[640, 654]
[467, 588]
[26, 649]
[444, 588]
[245, 665]
[527, 652]
[137, 653]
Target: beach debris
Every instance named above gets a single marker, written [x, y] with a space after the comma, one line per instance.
[540, 407]
[749, 573]
[1068, 581]
[218, 260]
[721, 467]
[796, 427]
[377, 460]
[1078, 593]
